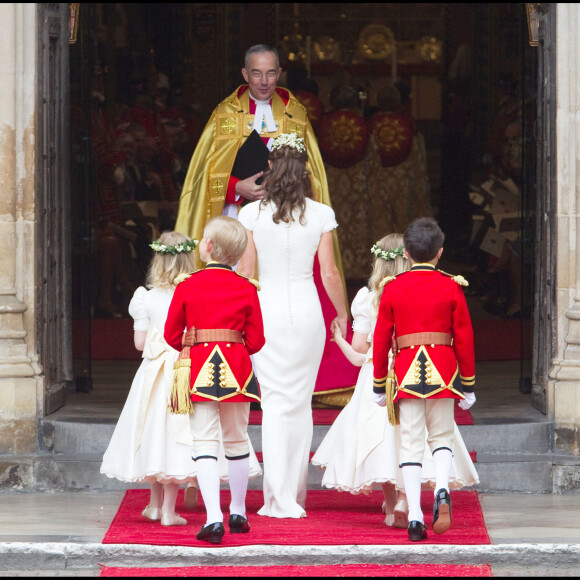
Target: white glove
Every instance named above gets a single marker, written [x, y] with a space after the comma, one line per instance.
[467, 402]
[380, 399]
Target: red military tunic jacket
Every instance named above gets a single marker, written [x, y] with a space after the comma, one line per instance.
[218, 298]
[425, 300]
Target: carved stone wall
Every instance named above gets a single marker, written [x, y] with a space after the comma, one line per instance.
[563, 395]
[21, 388]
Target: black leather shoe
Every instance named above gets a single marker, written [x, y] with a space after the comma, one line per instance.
[441, 511]
[212, 533]
[238, 524]
[417, 531]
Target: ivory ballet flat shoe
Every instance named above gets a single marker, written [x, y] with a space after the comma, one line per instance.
[401, 519]
[190, 497]
[152, 514]
[172, 520]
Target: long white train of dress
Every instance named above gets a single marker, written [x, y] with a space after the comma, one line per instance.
[287, 366]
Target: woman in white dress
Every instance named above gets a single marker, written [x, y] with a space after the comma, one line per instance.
[286, 230]
[361, 449]
[149, 444]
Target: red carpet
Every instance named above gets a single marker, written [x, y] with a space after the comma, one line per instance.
[334, 518]
[328, 416]
[337, 570]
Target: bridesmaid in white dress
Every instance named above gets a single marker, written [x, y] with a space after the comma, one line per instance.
[360, 452]
[286, 230]
[149, 444]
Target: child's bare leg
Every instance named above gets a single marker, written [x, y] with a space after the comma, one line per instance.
[156, 498]
[390, 499]
[153, 510]
[168, 515]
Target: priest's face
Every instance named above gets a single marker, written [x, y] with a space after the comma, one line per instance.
[262, 73]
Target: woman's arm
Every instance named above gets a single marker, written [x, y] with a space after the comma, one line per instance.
[139, 339]
[356, 353]
[331, 280]
[247, 264]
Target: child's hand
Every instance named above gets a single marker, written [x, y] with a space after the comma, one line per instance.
[335, 330]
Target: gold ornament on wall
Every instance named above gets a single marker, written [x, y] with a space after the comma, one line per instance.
[376, 42]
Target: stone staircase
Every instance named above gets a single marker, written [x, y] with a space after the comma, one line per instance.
[510, 456]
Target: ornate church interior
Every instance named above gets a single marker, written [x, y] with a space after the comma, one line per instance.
[419, 109]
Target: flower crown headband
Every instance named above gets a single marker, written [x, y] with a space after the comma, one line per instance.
[387, 254]
[187, 246]
[289, 140]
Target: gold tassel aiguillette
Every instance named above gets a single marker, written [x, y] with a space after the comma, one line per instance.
[392, 409]
[179, 402]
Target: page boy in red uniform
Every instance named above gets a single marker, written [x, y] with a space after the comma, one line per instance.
[426, 313]
[221, 312]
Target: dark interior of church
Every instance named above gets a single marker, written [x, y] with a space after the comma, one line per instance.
[144, 79]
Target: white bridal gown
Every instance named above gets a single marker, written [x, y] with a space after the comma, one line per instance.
[287, 366]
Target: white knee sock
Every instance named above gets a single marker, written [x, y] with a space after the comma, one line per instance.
[412, 481]
[238, 474]
[442, 464]
[169, 497]
[209, 484]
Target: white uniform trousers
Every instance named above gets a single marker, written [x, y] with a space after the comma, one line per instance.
[437, 415]
[205, 424]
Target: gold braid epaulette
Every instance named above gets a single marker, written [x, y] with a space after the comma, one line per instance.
[389, 279]
[459, 279]
[250, 280]
[183, 277]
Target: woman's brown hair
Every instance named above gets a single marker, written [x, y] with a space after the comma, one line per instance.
[287, 183]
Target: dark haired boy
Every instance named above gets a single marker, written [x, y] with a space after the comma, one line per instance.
[425, 311]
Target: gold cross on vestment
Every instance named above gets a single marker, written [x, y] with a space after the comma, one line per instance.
[228, 126]
[217, 187]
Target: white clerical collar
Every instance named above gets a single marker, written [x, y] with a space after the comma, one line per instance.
[267, 102]
[263, 114]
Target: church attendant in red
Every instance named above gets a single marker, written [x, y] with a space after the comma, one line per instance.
[423, 316]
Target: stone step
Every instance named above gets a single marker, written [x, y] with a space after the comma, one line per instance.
[87, 437]
[510, 457]
[497, 474]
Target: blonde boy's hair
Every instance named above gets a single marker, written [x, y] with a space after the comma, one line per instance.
[228, 237]
[383, 268]
[165, 267]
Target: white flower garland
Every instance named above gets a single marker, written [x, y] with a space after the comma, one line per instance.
[290, 140]
[187, 246]
[378, 252]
